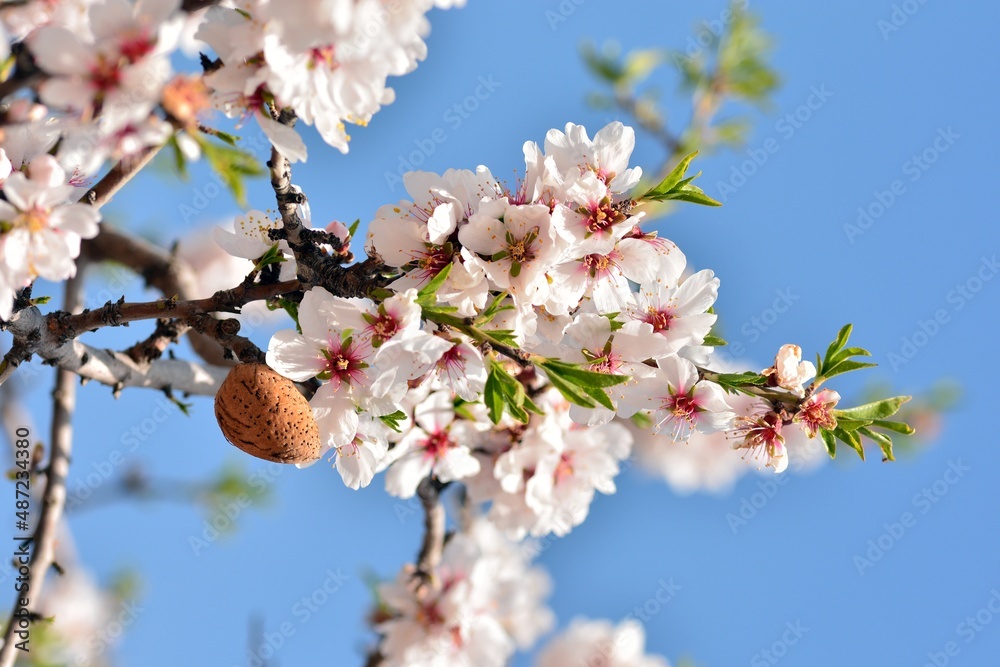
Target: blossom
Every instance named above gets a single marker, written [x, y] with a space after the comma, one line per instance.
[816, 412]
[678, 399]
[606, 156]
[488, 602]
[678, 314]
[760, 435]
[438, 444]
[121, 66]
[515, 245]
[40, 232]
[322, 60]
[789, 371]
[588, 642]
[345, 363]
[358, 460]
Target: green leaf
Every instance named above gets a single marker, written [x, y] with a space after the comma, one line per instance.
[570, 392]
[672, 179]
[352, 230]
[582, 376]
[226, 137]
[872, 411]
[232, 165]
[898, 427]
[845, 367]
[838, 344]
[748, 378]
[714, 341]
[427, 296]
[272, 256]
[850, 439]
[393, 420]
[830, 441]
[676, 186]
[180, 162]
[884, 441]
[493, 397]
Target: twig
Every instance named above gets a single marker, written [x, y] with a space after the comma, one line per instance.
[120, 313]
[432, 547]
[54, 496]
[115, 369]
[120, 174]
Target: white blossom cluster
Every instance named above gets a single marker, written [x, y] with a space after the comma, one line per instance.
[326, 61]
[489, 603]
[108, 91]
[551, 266]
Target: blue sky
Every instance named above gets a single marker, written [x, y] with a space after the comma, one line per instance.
[902, 126]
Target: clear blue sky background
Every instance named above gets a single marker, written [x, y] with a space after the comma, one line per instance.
[784, 228]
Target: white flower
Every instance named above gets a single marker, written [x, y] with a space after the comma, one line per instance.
[676, 397]
[345, 363]
[489, 602]
[789, 371]
[515, 245]
[587, 643]
[121, 68]
[358, 460]
[603, 277]
[39, 231]
[437, 444]
[677, 314]
[606, 156]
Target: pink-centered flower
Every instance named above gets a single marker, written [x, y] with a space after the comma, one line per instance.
[678, 401]
[437, 444]
[816, 412]
[760, 435]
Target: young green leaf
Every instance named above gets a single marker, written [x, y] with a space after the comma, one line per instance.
[676, 186]
[427, 296]
[872, 411]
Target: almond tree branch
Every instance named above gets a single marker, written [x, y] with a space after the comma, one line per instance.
[432, 547]
[116, 369]
[54, 496]
[161, 269]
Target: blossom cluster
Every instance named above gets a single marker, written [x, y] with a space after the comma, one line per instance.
[326, 61]
[492, 284]
[488, 602]
[107, 91]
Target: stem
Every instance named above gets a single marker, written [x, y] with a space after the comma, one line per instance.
[54, 496]
[120, 174]
[776, 396]
[432, 547]
[521, 358]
